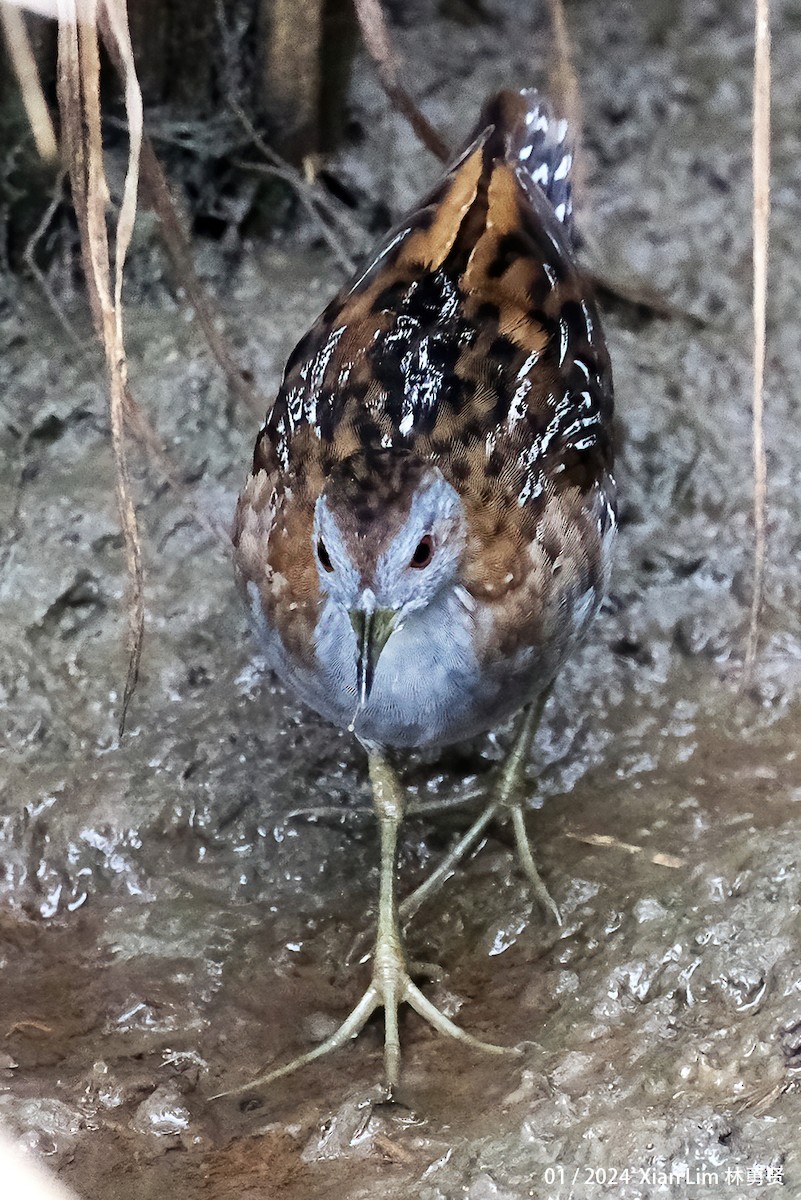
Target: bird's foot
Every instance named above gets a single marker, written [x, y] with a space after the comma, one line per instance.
[391, 986]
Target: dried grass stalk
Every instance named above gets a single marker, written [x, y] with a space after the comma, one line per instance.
[24, 66]
[79, 104]
[761, 223]
[659, 858]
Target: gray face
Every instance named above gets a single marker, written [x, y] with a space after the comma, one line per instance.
[378, 577]
[408, 569]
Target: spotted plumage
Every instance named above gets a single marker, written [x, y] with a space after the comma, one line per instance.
[470, 346]
[427, 528]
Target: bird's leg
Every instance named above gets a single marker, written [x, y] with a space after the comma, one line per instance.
[391, 983]
[510, 796]
[391, 976]
[389, 960]
[506, 801]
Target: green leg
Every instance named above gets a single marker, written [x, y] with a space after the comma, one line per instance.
[505, 802]
[391, 983]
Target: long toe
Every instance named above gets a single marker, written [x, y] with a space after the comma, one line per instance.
[430, 1013]
[529, 867]
[387, 992]
[350, 1027]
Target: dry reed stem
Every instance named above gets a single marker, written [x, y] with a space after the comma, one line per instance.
[376, 38]
[761, 223]
[79, 104]
[44, 8]
[24, 66]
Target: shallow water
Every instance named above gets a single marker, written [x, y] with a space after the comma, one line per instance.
[169, 927]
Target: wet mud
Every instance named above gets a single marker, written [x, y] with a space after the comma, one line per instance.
[173, 920]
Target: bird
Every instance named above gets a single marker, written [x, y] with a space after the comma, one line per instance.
[427, 529]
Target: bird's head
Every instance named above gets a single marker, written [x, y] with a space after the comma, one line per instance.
[389, 535]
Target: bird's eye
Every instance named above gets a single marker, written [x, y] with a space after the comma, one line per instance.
[423, 553]
[324, 556]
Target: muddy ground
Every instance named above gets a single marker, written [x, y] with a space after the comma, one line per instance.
[168, 926]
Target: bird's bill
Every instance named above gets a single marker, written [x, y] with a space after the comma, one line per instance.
[372, 634]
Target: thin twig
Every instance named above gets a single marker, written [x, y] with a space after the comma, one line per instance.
[761, 221]
[116, 19]
[29, 258]
[376, 38]
[341, 255]
[314, 203]
[314, 199]
[157, 194]
[30, 85]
